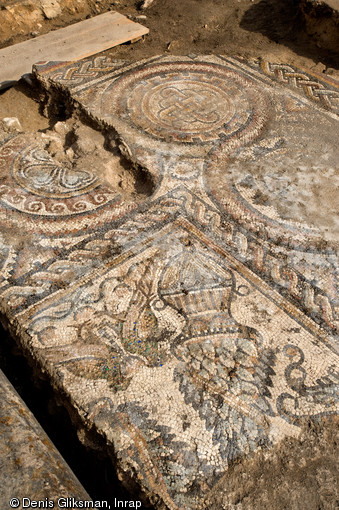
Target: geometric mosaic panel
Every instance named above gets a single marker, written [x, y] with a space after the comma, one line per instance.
[199, 325]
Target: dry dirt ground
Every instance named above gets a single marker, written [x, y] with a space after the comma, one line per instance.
[300, 474]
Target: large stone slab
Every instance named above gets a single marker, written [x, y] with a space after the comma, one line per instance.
[197, 325]
[31, 468]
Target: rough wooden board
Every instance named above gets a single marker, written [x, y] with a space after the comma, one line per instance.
[71, 43]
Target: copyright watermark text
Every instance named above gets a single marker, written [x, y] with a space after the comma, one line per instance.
[71, 503]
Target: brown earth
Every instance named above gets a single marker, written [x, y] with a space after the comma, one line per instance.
[273, 29]
[300, 473]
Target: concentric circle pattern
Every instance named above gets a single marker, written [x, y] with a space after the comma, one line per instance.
[191, 102]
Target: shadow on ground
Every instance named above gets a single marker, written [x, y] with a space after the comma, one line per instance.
[282, 22]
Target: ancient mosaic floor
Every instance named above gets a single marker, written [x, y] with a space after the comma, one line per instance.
[199, 325]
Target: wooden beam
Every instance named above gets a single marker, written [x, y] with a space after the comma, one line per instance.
[70, 43]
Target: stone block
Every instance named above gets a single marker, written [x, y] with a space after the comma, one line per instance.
[31, 468]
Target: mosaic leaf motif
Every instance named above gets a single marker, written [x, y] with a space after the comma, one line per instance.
[186, 330]
[37, 185]
[36, 172]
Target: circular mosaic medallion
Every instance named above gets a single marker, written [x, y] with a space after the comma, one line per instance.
[61, 197]
[192, 102]
[37, 173]
[37, 185]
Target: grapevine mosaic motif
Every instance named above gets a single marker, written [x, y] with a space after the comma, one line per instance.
[184, 328]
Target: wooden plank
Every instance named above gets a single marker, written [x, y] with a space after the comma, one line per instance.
[70, 43]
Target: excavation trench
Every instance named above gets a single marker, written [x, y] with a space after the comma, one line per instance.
[90, 142]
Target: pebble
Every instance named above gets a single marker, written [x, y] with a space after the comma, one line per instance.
[12, 123]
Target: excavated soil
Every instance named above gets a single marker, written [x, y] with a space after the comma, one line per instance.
[273, 29]
[298, 474]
